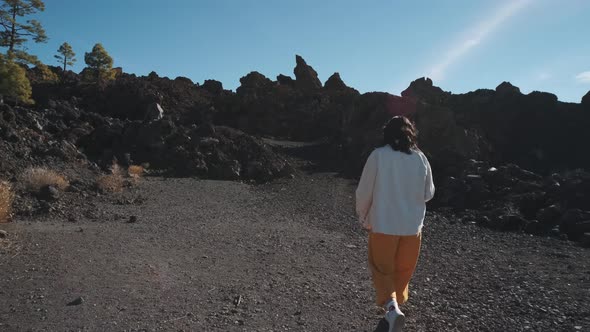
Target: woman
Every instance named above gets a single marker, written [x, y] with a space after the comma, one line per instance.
[391, 203]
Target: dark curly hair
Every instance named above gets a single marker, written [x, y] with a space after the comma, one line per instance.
[400, 134]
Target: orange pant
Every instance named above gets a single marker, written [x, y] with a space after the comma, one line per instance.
[392, 259]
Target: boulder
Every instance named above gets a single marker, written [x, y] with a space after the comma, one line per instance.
[573, 223]
[48, 193]
[533, 227]
[227, 170]
[452, 192]
[530, 203]
[205, 130]
[511, 222]
[575, 190]
[549, 216]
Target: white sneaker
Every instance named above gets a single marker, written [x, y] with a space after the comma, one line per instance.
[395, 318]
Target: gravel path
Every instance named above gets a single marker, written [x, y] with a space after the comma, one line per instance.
[226, 256]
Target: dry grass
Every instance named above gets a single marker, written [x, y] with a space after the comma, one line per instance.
[112, 182]
[135, 171]
[35, 178]
[6, 199]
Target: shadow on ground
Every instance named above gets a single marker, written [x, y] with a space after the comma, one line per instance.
[317, 157]
[382, 326]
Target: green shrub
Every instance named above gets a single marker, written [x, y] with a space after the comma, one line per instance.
[14, 82]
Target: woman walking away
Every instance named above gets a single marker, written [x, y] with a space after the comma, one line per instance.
[391, 203]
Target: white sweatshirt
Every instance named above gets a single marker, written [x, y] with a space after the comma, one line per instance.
[392, 193]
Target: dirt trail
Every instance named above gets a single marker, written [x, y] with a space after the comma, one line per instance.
[291, 255]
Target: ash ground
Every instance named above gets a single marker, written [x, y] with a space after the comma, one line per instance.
[290, 252]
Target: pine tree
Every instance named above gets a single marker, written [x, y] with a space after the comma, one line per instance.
[100, 63]
[66, 56]
[14, 82]
[14, 34]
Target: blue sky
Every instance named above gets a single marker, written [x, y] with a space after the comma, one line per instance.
[376, 45]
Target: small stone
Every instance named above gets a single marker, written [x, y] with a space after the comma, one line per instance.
[238, 300]
[49, 193]
[3, 234]
[77, 301]
[154, 112]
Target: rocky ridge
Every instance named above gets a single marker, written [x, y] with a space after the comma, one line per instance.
[483, 145]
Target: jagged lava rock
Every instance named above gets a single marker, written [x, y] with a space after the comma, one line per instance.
[335, 83]
[306, 77]
[586, 101]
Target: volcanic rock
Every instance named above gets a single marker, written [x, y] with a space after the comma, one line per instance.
[424, 89]
[505, 88]
[253, 84]
[286, 80]
[213, 86]
[76, 301]
[306, 77]
[49, 193]
[154, 112]
[335, 83]
[586, 101]
[570, 221]
[549, 216]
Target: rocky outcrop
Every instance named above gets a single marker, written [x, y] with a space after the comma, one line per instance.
[505, 88]
[362, 126]
[479, 143]
[212, 86]
[224, 153]
[306, 78]
[438, 124]
[501, 125]
[286, 80]
[510, 198]
[586, 101]
[254, 84]
[66, 134]
[424, 90]
[335, 83]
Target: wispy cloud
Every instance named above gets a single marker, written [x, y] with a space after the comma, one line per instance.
[583, 77]
[476, 35]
